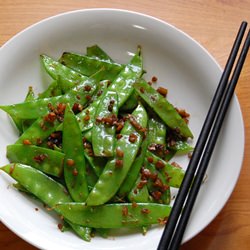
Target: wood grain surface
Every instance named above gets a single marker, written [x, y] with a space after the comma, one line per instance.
[213, 24]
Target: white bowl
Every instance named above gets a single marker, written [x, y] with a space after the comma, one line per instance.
[180, 63]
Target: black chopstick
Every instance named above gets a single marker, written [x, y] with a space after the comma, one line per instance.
[170, 228]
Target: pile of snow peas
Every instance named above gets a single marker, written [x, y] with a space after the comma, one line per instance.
[96, 145]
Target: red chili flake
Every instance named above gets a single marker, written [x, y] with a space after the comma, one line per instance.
[183, 113]
[145, 211]
[150, 159]
[125, 211]
[175, 164]
[162, 221]
[119, 153]
[70, 162]
[40, 158]
[50, 117]
[86, 118]
[118, 163]
[61, 108]
[162, 91]
[154, 79]
[75, 172]
[88, 97]
[150, 83]
[158, 183]
[77, 107]
[153, 176]
[142, 90]
[141, 184]
[118, 136]
[145, 173]
[98, 119]
[134, 204]
[87, 88]
[12, 168]
[27, 142]
[99, 92]
[159, 164]
[132, 138]
[156, 195]
[60, 226]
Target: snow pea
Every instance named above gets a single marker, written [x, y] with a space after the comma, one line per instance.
[97, 163]
[158, 187]
[68, 77]
[181, 147]
[133, 174]
[88, 65]
[157, 131]
[74, 163]
[34, 109]
[115, 215]
[123, 84]
[46, 160]
[96, 51]
[165, 110]
[38, 183]
[53, 89]
[38, 131]
[117, 168]
[103, 133]
[44, 188]
[173, 174]
[139, 194]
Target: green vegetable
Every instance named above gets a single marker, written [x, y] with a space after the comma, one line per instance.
[114, 215]
[74, 164]
[103, 131]
[117, 168]
[163, 108]
[47, 160]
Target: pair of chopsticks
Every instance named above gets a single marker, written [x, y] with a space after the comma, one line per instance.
[185, 199]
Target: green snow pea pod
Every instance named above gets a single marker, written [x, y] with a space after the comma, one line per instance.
[38, 131]
[46, 160]
[117, 168]
[157, 131]
[19, 122]
[34, 109]
[123, 84]
[116, 215]
[74, 163]
[97, 52]
[103, 131]
[88, 65]
[165, 110]
[97, 163]
[139, 195]
[44, 188]
[181, 147]
[133, 173]
[53, 89]
[68, 77]
[38, 183]
[158, 186]
[123, 87]
[131, 102]
[174, 175]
